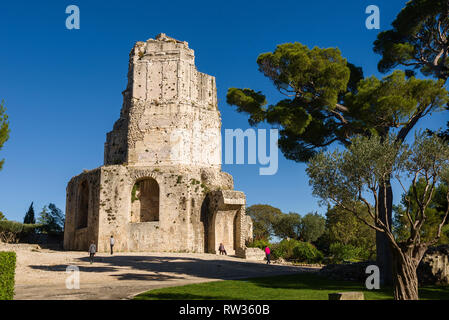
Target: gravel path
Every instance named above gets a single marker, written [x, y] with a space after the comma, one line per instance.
[41, 273]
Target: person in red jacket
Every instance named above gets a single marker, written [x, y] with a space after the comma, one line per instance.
[267, 252]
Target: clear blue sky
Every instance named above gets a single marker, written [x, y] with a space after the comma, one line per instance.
[62, 87]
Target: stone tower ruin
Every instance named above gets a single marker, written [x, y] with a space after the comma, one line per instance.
[161, 187]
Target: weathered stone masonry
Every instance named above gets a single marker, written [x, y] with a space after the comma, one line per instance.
[161, 187]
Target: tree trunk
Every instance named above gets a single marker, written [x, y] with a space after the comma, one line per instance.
[383, 252]
[405, 278]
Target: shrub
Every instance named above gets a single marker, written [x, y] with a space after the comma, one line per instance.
[284, 249]
[307, 252]
[12, 231]
[275, 251]
[296, 250]
[7, 272]
[345, 252]
[261, 244]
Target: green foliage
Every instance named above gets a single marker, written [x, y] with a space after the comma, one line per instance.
[13, 232]
[263, 217]
[313, 81]
[299, 286]
[249, 101]
[434, 212]
[296, 250]
[283, 249]
[389, 103]
[4, 129]
[345, 228]
[345, 177]
[320, 74]
[340, 252]
[29, 216]
[9, 230]
[260, 243]
[340, 175]
[417, 39]
[51, 220]
[287, 225]
[327, 100]
[134, 190]
[312, 227]
[269, 221]
[307, 252]
[2, 216]
[7, 274]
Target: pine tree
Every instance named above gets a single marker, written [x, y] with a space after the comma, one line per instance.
[29, 216]
[327, 101]
[52, 219]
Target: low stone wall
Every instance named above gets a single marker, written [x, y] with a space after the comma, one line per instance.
[251, 254]
[347, 272]
[433, 269]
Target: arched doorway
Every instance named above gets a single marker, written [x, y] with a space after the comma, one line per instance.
[145, 201]
[83, 205]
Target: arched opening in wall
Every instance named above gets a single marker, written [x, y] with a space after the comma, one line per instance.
[83, 205]
[145, 201]
[204, 219]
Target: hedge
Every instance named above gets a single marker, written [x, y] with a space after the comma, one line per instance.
[307, 252]
[7, 272]
[296, 251]
[261, 244]
[13, 232]
[345, 252]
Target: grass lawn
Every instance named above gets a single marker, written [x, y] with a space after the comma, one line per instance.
[289, 287]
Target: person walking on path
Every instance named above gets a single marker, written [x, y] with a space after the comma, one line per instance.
[267, 253]
[112, 242]
[222, 249]
[92, 251]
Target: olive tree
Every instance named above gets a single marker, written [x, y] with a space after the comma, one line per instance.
[347, 177]
[327, 101]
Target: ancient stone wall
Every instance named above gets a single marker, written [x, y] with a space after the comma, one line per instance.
[78, 236]
[434, 267]
[182, 192]
[161, 188]
[169, 114]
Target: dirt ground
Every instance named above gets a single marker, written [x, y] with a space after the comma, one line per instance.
[41, 273]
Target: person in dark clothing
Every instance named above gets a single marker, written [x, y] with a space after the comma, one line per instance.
[222, 249]
[92, 251]
[112, 242]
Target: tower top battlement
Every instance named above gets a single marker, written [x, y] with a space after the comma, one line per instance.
[163, 47]
[169, 114]
[164, 37]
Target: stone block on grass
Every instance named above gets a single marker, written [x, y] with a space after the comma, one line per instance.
[356, 295]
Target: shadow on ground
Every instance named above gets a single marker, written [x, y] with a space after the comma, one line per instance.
[157, 267]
